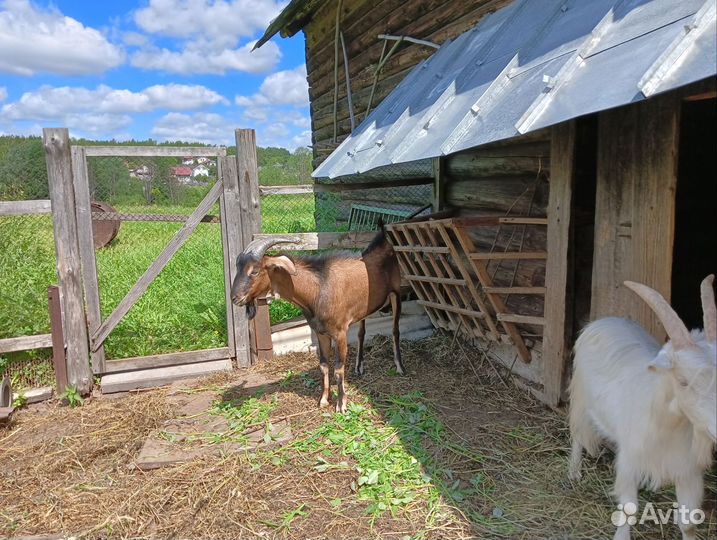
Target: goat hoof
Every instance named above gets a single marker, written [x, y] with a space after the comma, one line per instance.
[575, 476]
[341, 408]
[323, 402]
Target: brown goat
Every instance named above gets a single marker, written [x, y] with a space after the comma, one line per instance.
[333, 292]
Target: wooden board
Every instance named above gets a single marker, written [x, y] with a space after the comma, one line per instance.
[635, 207]
[154, 151]
[165, 360]
[25, 343]
[150, 378]
[557, 272]
[21, 208]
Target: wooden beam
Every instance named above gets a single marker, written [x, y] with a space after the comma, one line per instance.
[250, 203]
[556, 335]
[301, 189]
[154, 151]
[69, 267]
[515, 290]
[22, 208]
[59, 362]
[164, 360]
[99, 336]
[439, 184]
[452, 309]
[510, 255]
[233, 243]
[83, 212]
[520, 319]
[25, 343]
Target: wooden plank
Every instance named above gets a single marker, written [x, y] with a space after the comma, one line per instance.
[83, 215]
[150, 378]
[515, 290]
[556, 334]
[233, 243]
[314, 241]
[635, 207]
[25, 343]
[22, 208]
[69, 267]
[339, 187]
[154, 151]
[520, 319]
[165, 360]
[59, 361]
[153, 271]
[492, 221]
[439, 184]
[421, 249]
[510, 255]
[250, 203]
[431, 279]
[452, 309]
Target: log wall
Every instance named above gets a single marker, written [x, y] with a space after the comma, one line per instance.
[361, 21]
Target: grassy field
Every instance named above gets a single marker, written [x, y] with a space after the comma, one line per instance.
[183, 309]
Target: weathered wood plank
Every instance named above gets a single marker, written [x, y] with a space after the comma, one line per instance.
[439, 184]
[339, 187]
[557, 271]
[635, 207]
[25, 343]
[250, 203]
[471, 165]
[59, 362]
[69, 267]
[165, 360]
[153, 271]
[515, 290]
[83, 212]
[508, 255]
[154, 151]
[452, 309]
[422, 249]
[432, 279]
[22, 208]
[237, 322]
[313, 241]
[520, 319]
[150, 378]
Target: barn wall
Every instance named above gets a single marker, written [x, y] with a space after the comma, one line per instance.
[361, 21]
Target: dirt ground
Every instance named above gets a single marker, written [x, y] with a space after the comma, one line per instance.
[453, 450]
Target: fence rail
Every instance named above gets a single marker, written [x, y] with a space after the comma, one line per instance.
[25, 208]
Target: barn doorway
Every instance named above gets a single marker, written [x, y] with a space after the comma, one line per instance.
[695, 247]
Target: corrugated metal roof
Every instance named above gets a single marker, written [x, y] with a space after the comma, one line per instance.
[530, 65]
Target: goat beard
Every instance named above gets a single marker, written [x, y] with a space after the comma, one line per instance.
[250, 310]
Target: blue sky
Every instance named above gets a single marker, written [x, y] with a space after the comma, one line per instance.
[165, 69]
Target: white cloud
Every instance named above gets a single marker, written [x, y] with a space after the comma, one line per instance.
[34, 40]
[297, 119]
[281, 88]
[3, 93]
[201, 127]
[135, 39]
[218, 20]
[96, 124]
[57, 102]
[202, 58]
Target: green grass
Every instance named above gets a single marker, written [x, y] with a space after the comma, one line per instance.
[183, 309]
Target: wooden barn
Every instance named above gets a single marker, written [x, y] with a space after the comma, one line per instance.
[571, 144]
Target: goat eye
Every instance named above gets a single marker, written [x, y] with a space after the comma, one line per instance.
[682, 382]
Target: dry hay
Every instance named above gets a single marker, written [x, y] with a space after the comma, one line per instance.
[70, 470]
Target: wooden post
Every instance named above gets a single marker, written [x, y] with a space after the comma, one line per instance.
[69, 272]
[439, 184]
[59, 361]
[83, 211]
[233, 243]
[557, 267]
[248, 173]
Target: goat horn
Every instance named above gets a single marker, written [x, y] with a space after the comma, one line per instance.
[675, 328]
[258, 247]
[709, 311]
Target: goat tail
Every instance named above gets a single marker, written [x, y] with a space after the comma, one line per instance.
[582, 431]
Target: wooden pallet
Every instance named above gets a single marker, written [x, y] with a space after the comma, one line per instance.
[450, 277]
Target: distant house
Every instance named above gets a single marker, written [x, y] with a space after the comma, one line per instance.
[202, 160]
[200, 170]
[182, 174]
[188, 161]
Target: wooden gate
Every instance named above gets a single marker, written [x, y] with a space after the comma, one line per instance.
[236, 189]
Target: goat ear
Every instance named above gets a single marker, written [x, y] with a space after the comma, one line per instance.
[282, 262]
[661, 362]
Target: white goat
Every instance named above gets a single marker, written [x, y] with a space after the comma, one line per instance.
[657, 405]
